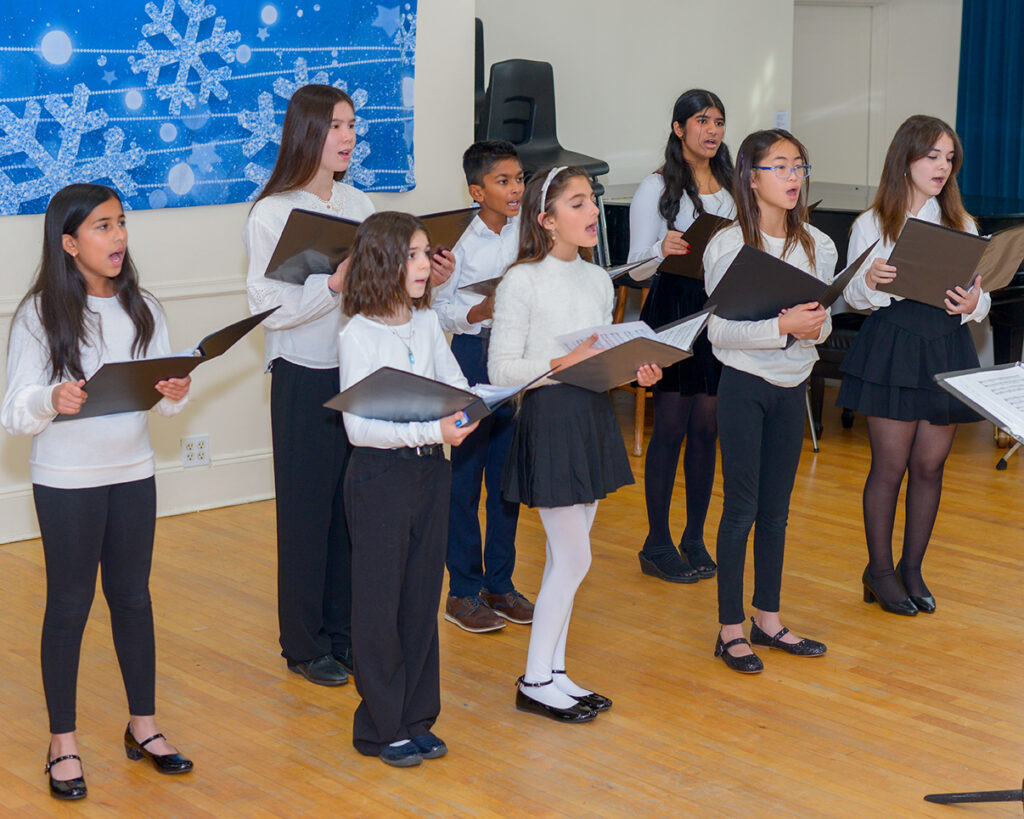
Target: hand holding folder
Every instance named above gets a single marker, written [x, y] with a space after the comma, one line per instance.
[128, 386]
[697, 236]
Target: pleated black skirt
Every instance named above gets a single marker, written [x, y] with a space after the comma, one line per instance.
[672, 298]
[566, 449]
[889, 371]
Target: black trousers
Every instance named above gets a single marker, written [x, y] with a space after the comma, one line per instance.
[83, 529]
[398, 516]
[314, 557]
[760, 430]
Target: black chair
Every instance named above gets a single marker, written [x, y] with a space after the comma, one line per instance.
[479, 92]
[520, 107]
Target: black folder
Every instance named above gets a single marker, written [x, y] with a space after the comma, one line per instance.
[394, 395]
[313, 242]
[128, 386]
[698, 235]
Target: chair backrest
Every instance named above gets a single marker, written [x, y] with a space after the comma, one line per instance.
[521, 103]
[479, 92]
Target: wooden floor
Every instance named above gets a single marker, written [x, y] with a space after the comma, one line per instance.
[899, 707]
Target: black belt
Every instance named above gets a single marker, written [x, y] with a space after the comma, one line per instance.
[429, 451]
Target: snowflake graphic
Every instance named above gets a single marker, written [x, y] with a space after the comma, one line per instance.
[356, 173]
[75, 120]
[187, 51]
[405, 37]
[261, 124]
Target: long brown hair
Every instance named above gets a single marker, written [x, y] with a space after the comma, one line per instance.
[306, 123]
[752, 152]
[375, 282]
[913, 140]
[534, 242]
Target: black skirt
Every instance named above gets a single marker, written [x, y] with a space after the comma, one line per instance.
[671, 298]
[566, 449]
[889, 370]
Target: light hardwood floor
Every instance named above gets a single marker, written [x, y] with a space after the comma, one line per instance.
[899, 707]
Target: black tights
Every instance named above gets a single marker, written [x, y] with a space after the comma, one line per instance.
[918, 449]
[692, 418]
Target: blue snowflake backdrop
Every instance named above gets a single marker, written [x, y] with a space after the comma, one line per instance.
[180, 102]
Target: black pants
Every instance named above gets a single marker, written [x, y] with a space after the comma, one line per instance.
[398, 517]
[760, 430]
[314, 557]
[83, 529]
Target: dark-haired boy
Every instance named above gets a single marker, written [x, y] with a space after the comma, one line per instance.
[481, 594]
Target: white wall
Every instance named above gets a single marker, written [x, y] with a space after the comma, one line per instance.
[193, 260]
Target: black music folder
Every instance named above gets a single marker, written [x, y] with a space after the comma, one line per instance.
[486, 287]
[128, 386]
[643, 269]
[698, 235]
[617, 365]
[995, 392]
[316, 243]
[402, 397]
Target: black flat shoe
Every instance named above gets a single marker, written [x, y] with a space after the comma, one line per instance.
[805, 648]
[325, 670]
[577, 713]
[905, 606]
[165, 763]
[924, 603]
[401, 756]
[596, 701]
[747, 664]
[430, 746]
[668, 566]
[66, 789]
[697, 556]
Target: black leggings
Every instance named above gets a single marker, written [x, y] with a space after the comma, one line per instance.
[82, 529]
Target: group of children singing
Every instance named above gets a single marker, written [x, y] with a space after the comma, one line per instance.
[370, 511]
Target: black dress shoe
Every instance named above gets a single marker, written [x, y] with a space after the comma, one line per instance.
[905, 606]
[323, 670]
[668, 566]
[805, 648]
[576, 713]
[165, 763]
[430, 745]
[401, 756]
[596, 701]
[696, 554]
[747, 664]
[925, 602]
[66, 789]
[343, 656]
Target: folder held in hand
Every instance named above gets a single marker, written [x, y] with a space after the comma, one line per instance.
[698, 235]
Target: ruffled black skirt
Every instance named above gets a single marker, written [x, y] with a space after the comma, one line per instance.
[566, 449]
[671, 298]
[889, 370]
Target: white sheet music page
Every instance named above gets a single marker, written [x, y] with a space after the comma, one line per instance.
[684, 334]
[999, 392]
[608, 335]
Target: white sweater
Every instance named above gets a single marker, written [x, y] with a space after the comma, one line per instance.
[536, 302]
[305, 329]
[75, 454]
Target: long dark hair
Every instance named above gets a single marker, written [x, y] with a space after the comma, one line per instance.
[534, 241]
[375, 281]
[59, 289]
[913, 140]
[752, 152]
[676, 171]
[306, 123]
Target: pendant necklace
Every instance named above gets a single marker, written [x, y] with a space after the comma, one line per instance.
[407, 344]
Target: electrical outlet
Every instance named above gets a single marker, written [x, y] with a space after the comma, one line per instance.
[195, 450]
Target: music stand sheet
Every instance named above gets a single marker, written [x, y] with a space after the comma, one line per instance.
[931, 259]
[618, 365]
[995, 392]
[697, 235]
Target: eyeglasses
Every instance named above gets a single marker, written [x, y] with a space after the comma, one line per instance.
[784, 171]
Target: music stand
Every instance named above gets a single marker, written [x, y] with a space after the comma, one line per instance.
[977, 796]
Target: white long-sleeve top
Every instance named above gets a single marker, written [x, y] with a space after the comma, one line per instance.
[305, 329]
[865, 231]
[75, 454]
[480, 254]
[366, 345]
[534, 304]
[757, 347]
[647, 228]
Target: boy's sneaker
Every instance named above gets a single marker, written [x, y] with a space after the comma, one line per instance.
[512, 606]
[471, 614]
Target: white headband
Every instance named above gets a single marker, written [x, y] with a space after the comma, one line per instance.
[544, 191]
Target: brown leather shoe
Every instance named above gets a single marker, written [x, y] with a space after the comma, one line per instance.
[512, 606]
[471, 614]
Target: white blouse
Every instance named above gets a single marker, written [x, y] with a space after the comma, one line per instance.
[305, 329]
[757, 347]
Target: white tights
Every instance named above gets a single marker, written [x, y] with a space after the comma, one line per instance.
[568, 560]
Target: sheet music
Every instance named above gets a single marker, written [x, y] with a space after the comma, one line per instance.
[638, 271]
[999, 392]
[608, 335]
[683, 335]
[492, 395]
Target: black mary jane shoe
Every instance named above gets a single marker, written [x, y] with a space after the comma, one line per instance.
[906, 606]
[579, 712]
[598, 702]
[66, 789]
[697, 556]
[668, 566]
[805, 648]
[747, 664]
[926, 602]
[165, 763]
